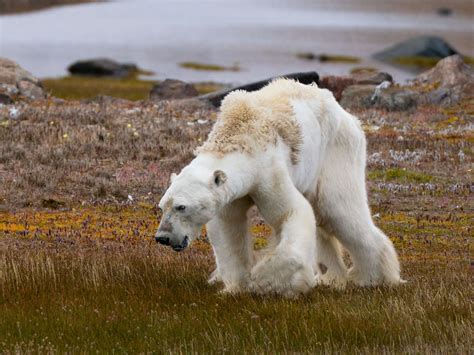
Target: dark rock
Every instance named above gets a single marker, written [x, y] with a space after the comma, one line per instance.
[172, 89]
[102, 67]
[371, 77]
[336, 84]
[215, 98]
[17, 82]
[423, 46]
[444, 11]
[451, 80]
[5, 99]
[390, 99]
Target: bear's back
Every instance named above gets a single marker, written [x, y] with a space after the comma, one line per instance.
[249, 121]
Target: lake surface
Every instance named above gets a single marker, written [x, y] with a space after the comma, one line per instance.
[262, 37]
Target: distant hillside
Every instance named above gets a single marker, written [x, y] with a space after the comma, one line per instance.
[13, 6]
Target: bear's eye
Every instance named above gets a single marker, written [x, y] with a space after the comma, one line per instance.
[180, 208]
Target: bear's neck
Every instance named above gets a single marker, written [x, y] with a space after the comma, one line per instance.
[237, 168]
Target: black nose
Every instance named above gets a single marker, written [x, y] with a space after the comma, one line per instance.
[163, 240]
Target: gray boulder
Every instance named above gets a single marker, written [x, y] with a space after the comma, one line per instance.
[172, 89]
[369, 96]
[102, 67]
[17, 82]
[422, 46]
[337, 84]
[451, 79]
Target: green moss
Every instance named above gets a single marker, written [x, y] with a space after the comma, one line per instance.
[207, 87]
[209, 67]
[400, 175]
[416, 61]
[85, 87]
[424, 62]
[338, 58]
[363, 70]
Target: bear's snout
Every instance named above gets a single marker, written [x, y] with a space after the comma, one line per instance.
[162, 240]
[176, 245]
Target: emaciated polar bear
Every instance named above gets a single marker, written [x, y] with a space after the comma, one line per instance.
[294, 152]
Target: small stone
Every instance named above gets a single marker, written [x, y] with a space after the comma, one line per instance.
[31, 90]
[371, 78]
[5, 99]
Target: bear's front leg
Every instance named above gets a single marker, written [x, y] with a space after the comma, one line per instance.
[288, 270]
[232, 245]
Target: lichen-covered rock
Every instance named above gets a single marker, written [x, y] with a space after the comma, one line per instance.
[18, 82]
[451, 80]
[172, 89]
[390, 99]
[449, 72]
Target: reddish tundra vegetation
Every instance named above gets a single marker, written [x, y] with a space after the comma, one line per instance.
[80, 271]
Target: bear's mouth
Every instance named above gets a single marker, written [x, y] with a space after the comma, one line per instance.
[184, 244]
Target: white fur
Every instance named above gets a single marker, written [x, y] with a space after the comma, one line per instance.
[326, 184]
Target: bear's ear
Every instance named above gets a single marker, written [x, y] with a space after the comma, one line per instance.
[219, 177]
[172, 177]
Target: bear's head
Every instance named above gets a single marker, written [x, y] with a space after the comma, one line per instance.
[192, 200]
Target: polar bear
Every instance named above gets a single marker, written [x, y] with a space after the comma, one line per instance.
[291, 150]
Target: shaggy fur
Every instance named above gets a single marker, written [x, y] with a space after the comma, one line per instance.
[295, 153]
[248, 122]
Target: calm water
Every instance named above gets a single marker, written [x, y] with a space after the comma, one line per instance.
[262, 37]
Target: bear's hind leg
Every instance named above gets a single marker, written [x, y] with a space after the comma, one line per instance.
[342, 204]
[232, 244]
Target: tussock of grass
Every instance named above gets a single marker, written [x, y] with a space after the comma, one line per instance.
[209, 67]
[402, 175]
[92, 279]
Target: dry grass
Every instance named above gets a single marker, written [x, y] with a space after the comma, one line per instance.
[88, 276]
[92, 279]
